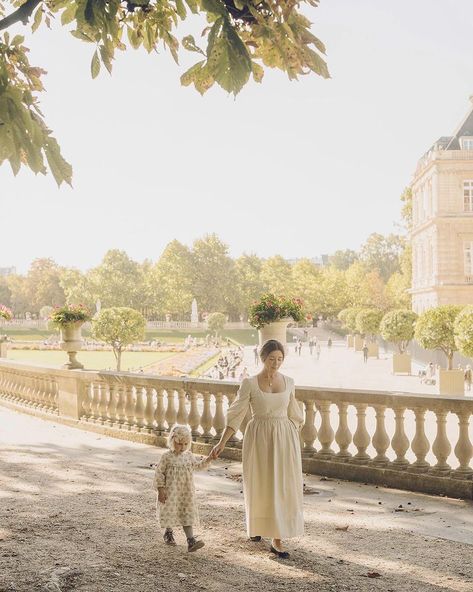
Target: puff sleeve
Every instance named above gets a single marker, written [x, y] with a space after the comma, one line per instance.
[160, 472]
[295, 409]
[238, 409]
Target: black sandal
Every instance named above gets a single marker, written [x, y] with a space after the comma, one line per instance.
[280, 554]
[255, 539]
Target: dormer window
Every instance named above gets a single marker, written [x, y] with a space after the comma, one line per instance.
[466, 143]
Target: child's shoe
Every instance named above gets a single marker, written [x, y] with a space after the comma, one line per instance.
[193, 544]
[169, 538]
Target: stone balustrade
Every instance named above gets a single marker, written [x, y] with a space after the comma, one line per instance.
[408, 441]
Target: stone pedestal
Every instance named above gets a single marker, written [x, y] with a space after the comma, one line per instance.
[350, 340]
[373, 350]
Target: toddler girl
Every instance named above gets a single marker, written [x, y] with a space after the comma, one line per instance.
[174, 480]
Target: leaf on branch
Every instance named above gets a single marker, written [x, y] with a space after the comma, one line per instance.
[69, 14]
[181, 9]
[38, 17]
[193, 5]
[95, 65]
[258, 72]
[189, 43]
[215, 7]
[228, 59]
[199, 76]
[82, 36]
[60, 168]
[17, 40]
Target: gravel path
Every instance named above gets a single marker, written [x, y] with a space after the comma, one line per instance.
[77, 513]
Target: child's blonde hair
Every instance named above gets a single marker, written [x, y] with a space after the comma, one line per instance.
[181, 433]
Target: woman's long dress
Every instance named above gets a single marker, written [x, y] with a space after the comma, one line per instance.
[272, 467]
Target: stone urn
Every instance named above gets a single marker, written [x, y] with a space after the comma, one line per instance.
[275, 330]
[71, 342]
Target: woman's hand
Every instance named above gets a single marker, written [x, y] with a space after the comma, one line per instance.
[162, 495]
[217, 450]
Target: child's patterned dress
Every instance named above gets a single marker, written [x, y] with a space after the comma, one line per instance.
[175, 472]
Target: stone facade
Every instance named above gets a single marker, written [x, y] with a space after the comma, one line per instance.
[442, 229]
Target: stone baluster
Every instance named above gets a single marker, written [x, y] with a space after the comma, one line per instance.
[171, 414]
[182, 415]
[219, 417]
[420, 444]
[113, 404]
[380, 437]
[129, 406]
[326, 434]
[159, 413]
[400, 442]
[463, 449]
[95, 402]
[103, 403]
[194, 415]
[140, 408]
[45, 393]
[309, 431]
[206, 417]
[441, 446]
[361, 438]
[53, 393]
[343, 436]
[33, 391]
[149, 409]
[27, 389]
[86, 402]
[42, 393]
[121, 404]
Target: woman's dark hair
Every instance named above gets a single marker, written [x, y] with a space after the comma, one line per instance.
[270, 346]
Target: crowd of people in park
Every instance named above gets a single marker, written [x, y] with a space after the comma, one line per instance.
[429, 374]
[227, 364]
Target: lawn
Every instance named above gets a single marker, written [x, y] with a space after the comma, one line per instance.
[92, 360]
[242, 336]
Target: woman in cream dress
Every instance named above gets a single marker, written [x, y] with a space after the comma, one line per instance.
[272, 468]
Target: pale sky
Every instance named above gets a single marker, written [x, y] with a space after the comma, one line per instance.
[291, 168]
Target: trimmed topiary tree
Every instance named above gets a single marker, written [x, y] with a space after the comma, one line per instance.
[367, 322]
[463, 329]
[216, 322]
[350, 318]
[398, 326]
[435, 330]
[118, 326]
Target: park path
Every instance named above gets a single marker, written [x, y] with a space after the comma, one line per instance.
[77, 513]
[182, 363]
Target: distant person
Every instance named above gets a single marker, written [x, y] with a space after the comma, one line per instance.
[255, 353]
[311, 345]
[299, 347]
[244, 373]
[317, 351]
[468, 377]
[329, 342]
[365, 351]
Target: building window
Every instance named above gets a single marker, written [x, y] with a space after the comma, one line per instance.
[468, 196]
[467, 143]
[468, 253]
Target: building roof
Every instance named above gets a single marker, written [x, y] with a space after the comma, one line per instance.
[453, 142]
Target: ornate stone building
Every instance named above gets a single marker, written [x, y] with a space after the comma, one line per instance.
[442, 229]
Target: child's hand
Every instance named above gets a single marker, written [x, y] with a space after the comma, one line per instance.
[162, 495]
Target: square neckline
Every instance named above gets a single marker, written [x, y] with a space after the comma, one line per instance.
[268, 392]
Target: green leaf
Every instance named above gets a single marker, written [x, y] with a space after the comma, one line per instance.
[258, 72]
[60, 168]
[133, 37]
[95, 65]
[193, 5]
[181, 9]
[69, 14]
[17, 40]
[214, 6]
[38, 17]
[189, 43]
[106, 58]
[89, 12]
[82, 36]
[229, 61]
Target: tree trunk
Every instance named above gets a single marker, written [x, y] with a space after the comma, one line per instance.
[118, 357]
[450, 361]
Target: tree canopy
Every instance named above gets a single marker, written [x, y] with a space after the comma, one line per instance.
[435, 330]
[239, 39]
[398, 326]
